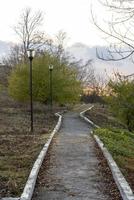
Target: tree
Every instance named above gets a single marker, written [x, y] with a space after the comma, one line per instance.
[119, 29]
[56, 46]
[28, 30]
[95, 88]
[121, 99]
[66, 87]
[29, 34]
[15, 56]
[60, 40]
[86, 72]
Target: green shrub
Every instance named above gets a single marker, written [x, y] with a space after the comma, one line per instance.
[118, 142]
[66, 87]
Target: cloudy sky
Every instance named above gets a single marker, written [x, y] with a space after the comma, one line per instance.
[71, 16]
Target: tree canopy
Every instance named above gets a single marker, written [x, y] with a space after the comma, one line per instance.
[122, 100]
[66, 87]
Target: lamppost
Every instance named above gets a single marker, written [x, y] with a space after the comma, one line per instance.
[50, 86]
[31, 53]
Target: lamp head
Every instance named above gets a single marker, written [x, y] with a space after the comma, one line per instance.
[51, 67]
[30, 53]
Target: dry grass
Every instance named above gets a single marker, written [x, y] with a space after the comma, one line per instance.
[17, 155]
[101, 116]
[18, 148]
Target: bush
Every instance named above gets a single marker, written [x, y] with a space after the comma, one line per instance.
[121, 101]
[66, 87]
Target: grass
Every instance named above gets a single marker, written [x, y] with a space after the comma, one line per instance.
[120, 144]
[18, 148]
[118, 140]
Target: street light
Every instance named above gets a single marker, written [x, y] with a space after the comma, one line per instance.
[50, 85]
[31, 53]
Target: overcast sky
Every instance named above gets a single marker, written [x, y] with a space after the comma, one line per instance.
[71, 16]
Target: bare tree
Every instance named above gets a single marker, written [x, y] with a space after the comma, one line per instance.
[29, 34]
[119, 29]
[60, 41]
[57, 45]
[28, 29]
[86, 72]
[15, 56]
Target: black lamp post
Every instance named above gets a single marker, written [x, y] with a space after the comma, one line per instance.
[50, 85]
[31, 53]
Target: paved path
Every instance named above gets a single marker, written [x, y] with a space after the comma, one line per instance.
[72, 172]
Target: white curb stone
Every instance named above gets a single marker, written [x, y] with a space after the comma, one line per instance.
[86, 119]
[29, 187]
[30, 184]
[120, 181]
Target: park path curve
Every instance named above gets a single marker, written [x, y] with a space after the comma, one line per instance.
[72, 172]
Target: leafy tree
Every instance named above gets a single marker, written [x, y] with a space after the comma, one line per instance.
[66, 87]
[121, 100]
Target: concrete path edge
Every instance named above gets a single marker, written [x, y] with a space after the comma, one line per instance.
[122, 184]
[82, 115]
[30, 184]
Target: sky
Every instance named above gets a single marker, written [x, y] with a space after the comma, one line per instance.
[71, 16]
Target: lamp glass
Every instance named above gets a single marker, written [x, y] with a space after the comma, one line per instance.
[50, 67]
[30, 53]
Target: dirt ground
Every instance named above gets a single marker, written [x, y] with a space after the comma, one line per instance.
[18, 147]
[107, 176]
